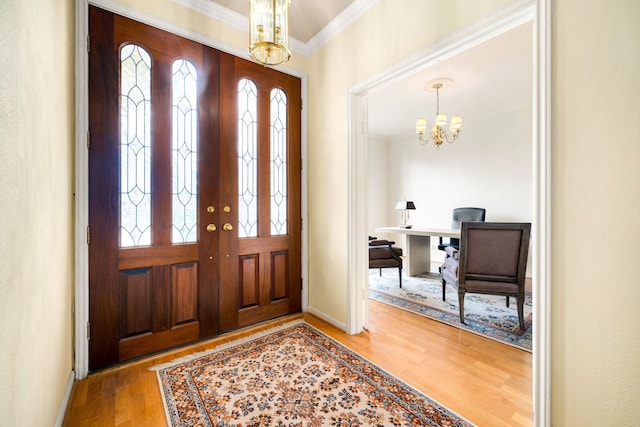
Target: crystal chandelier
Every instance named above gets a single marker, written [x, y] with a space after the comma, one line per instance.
[438, 134]
[269, 31]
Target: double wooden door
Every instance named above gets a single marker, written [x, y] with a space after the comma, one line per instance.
[194, 191]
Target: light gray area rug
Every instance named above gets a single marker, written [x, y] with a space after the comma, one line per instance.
[486, 315]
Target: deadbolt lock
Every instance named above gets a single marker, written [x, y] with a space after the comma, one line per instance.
[226, 209]
[211, 209]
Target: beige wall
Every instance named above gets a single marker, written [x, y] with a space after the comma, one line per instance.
[36, 195]
[595, 203]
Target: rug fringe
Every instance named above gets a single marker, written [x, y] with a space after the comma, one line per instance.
[226, 345]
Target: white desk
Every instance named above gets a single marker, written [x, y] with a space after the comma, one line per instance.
[418, 245]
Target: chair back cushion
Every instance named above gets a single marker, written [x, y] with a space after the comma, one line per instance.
[461, 215]
[383, 252]
[494, 251]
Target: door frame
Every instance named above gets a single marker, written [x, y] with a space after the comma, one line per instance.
[506, 18]
[81, 288]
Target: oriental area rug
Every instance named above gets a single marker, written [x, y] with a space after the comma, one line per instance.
[292, 375]
[486, 315]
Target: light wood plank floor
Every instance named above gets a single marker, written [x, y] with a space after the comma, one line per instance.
[484, 381]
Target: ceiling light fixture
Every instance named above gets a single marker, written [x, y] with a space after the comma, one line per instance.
[269, 31]
[438, 134]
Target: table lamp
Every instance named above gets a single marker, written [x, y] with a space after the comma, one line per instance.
[405, 206]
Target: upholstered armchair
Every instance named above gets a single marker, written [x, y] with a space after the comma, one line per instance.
[492, 259]
[382, 254]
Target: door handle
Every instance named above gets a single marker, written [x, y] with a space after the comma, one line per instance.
[211, 228]
[227, 227]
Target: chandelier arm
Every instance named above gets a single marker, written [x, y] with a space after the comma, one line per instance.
[450, 137]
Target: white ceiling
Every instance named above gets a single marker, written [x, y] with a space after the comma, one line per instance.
[495, 75]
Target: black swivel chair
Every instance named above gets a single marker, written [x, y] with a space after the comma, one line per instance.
[460, 215]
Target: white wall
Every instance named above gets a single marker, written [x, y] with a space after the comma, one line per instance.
[489, 166]
[379, 201]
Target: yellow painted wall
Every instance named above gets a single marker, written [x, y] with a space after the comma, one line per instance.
[595, 212]
[389, 33]
[36, 198]
[595, 189]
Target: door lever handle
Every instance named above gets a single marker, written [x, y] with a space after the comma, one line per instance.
[227, 227]
[211, 228]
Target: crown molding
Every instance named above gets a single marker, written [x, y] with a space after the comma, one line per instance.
[218, 12]
[241, 22]
[354, 11]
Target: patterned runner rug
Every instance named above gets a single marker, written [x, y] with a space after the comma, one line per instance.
[292, 375]
[486, 315]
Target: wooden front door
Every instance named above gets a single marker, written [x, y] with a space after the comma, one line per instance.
[194, 209]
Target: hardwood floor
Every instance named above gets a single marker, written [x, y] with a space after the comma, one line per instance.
[487, 382]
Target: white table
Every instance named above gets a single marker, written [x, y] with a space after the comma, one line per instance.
[418, 245]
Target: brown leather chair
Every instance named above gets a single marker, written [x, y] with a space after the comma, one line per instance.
[382, 254]
[492, 259]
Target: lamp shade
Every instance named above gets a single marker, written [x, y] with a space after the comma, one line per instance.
[456, 122]
[269, 31]
[405, 205]
[441, 119]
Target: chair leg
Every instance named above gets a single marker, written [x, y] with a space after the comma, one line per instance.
[380, 272]
[400, 276]
[461, 305]
[507, 301]
[520, 304]
[444, 290]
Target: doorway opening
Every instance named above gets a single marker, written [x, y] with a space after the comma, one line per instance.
[503, 20]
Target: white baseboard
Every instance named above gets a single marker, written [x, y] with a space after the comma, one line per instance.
[322, 315]
[65, 400]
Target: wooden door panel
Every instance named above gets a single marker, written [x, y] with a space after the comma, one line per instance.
[146, 298]
[158, 255]
[135, 309]
[249, 280]
[263, 282]
[280, 275]
[144, 293]
[184, 295]
[260, 275]
[129, 348]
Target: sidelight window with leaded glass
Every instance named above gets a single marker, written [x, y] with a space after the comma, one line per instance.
[278, 125]
[184, 152]
[135, 146]
[247, 158]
